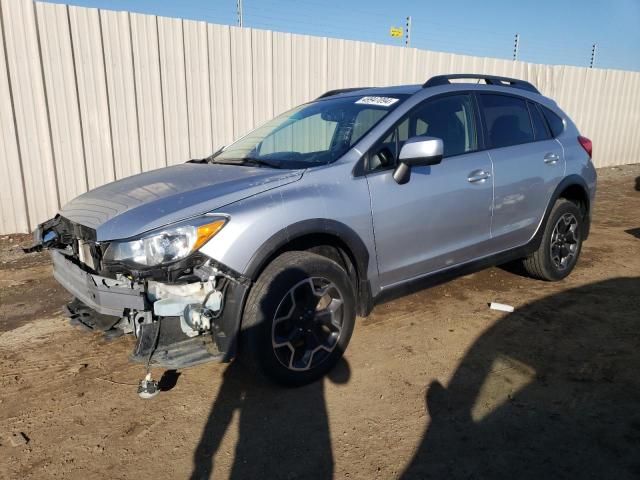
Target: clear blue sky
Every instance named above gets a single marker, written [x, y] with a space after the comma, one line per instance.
[551, 31]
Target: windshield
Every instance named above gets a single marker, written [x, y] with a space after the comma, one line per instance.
[315, 133]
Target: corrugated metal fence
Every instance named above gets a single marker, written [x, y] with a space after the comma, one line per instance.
[88, 96]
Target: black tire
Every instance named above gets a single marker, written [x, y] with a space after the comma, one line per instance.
[540, 263]
[306, 275]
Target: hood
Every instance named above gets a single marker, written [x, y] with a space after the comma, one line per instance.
[137, 204]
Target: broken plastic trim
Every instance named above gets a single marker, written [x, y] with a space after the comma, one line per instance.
[91, 289]
[59, 232]
[175, 349]
[169, 273]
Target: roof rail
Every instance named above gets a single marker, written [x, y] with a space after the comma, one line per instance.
[488, 79]
[331, 93]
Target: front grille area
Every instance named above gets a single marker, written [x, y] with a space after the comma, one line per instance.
[79, 238]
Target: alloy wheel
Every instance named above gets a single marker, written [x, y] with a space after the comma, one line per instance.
[307, 324]
[565, 239]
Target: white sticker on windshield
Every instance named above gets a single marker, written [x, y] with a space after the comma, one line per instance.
[379, 101]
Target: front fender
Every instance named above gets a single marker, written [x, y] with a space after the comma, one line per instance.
[326, 200]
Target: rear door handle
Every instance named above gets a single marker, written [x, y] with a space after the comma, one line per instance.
[551, 158]
[478, 176]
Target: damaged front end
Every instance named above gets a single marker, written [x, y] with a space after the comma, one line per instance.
[183, 307]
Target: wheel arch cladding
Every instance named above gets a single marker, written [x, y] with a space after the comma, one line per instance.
[569, 187]
[577, 194]
[328, 238]
[574, 189]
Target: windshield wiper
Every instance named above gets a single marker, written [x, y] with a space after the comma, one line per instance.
[247, 161]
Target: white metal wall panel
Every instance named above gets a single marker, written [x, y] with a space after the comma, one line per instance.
[64, 114]
[282, 72]
[13, 209]
[262, 68]
[335, 63]
[302, 58]
[241, 81]
[411, 74]
[400, 60]
[351, 63]
[118, 56]
[318, 54]
[632, 120]
[611, 125]
[387, 65]
[625, 132]
[358, 67]
[617, 147]
[92, 94]
[174, 94]
[594, 104]
[146, 65]
[423, 66]
[219, 41]
[87, 96]
[198, 91]
[30, 108]
[621, 150]
[309, 77]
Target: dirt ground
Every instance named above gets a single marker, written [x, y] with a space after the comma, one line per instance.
[433, 385]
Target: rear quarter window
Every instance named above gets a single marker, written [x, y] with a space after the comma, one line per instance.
[555, 122]
[539, 123]
[507, 120]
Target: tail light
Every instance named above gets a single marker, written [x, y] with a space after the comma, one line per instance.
[586, 144]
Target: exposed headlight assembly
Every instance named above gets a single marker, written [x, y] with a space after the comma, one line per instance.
[166, 245]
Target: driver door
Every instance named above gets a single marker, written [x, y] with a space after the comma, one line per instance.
[442, 216]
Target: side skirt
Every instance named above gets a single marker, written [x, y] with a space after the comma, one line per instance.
[443, 276]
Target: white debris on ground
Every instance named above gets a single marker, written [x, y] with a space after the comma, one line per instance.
[503, 307]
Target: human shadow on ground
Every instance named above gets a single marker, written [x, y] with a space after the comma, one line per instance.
[550, 391]
[283, 432]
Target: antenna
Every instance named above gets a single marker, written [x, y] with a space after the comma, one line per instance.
[407, 30]
[516, 45]
[593, 55]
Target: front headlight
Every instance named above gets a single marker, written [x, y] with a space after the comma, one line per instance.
[166, 245]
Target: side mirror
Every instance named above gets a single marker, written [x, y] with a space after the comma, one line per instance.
[417, 151]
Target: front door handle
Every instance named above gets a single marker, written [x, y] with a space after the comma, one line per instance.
[551, 158]
[478, 176]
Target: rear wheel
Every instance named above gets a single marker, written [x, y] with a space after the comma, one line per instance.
[298, 318]
[561, 243]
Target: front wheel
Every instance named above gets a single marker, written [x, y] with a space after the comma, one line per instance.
[561, 243]
[298, 318]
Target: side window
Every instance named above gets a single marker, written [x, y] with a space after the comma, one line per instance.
[507, 120]
[449, 118]
[539, 123]
[555, 122]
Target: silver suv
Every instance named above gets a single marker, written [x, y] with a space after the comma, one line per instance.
[270, 247]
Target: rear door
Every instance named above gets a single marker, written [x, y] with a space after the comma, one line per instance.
[441, 216]
[528, 164]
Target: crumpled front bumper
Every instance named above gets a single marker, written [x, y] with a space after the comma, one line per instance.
[169, 346]
[104, 295]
